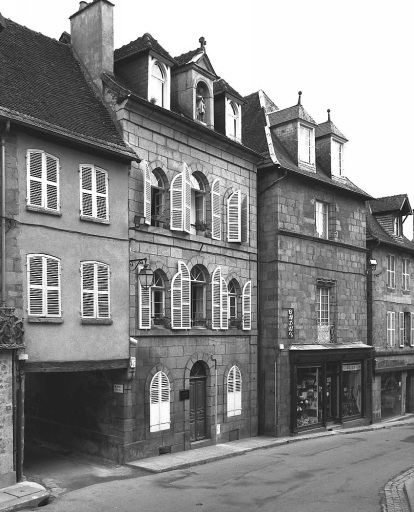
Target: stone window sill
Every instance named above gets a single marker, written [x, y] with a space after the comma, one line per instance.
[94, 219]
[96, 321]
[45, 320]
[40, 209]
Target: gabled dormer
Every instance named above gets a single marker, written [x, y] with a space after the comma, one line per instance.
[391, 213]
[192, 85]
[227, 110]
[330, 145]
[295, 129]
[145, 67]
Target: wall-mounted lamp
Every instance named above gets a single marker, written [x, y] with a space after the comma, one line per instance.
[145, 275]
[373, 265]
[138, 220]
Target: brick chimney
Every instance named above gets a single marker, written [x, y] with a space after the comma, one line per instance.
[92, 36]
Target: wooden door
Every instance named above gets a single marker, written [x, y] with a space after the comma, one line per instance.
[197, 408]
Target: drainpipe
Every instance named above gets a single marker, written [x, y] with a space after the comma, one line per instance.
[215, 391]
[3, 213]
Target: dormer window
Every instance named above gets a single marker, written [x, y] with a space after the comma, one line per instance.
[337, 155]
[306, 145]
[158, 84]
[233, 120]
[397, 226]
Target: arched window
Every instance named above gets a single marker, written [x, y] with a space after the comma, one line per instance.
[158, 297]
[234, 392]
[198, 297]
[159, 402]
[198, 204]
[233, 120]
[157, 199]
[157, 94]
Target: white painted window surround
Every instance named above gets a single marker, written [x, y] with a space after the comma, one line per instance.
[159, 83]
[42, 181]
[160, 402]
[43, 285]
[234, 392]
[306, 144]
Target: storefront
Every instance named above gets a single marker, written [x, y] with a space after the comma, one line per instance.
[391, 395]
[328, 384]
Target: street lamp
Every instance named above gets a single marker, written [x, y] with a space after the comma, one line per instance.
[145, 275]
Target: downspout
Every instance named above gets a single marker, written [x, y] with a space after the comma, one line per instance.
[3, 213]
[215, 392]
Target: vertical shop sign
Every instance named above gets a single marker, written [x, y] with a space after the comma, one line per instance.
[291, 323]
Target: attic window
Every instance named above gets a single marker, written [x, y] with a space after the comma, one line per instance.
[233, 120]
[158, 80]
[397, 226]
[337, 156]
[306, 145]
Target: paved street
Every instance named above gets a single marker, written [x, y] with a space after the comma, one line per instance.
[345, 473]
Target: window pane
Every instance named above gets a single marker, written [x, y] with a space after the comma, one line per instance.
[309, 396]
[351, 389]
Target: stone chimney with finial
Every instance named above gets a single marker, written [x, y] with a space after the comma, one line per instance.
[92, 37]
[329, 144]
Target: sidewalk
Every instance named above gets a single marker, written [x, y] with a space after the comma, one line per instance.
[30, 494]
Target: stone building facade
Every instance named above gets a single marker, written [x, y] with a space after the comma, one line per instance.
[314, 361]
[192, 217]
[390, 306]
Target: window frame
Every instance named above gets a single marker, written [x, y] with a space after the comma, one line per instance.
[155, 288]
[391, 328]
[160, 407]
[94, 194]
[197, 315]
[234, 389]
[45, 288]
[156, 82]
[337, 160]
[406, 274]
[44, 182]
[306, 145]
[391, 271]
[97, 294]
[322, 219]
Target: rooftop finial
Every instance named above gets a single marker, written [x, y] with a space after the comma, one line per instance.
[203, 43]
[300, 98]
[329, 114]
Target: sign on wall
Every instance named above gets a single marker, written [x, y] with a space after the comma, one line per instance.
[291, 323]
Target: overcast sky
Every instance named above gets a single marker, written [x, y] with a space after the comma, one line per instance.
[354, 57]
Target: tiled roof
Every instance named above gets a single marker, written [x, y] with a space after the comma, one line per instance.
[290, 114]
[376, 232]
[221, 86]
[140, 45]
[42, 84]
[328, 128]
[254, 136]
[390, 204]
[185, 58]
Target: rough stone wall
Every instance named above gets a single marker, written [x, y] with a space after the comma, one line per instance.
[6, 419]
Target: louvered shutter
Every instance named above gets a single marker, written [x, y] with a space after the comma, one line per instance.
[234, 217]
[35, 285]
[177, 203]
[103, 291]
[401, 328]
[181, 298]
[88, 289]
[234, 389]
[187, 199]
[247, 306]
[52, 286]
[35, 164]
[86, 190]
[244, 219]
[147, 192]
[332, 231]
[224, 304]
[159, 402]
[216, 298]
[412, 330]
[52, 182]
[101, 193]
[215, 210]
[144, 308]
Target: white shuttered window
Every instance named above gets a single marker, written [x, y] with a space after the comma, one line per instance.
[147, 192]
[234, 392]
[144, 307]
[159, 402]
[215, 210]
[181, 298]
[390, 328]
[43, 278]
[180, 198]
[42, 180]
[94, 192]
[412, 330]
[234, 217]
[247, 306]
[95, 290]
[219, 301]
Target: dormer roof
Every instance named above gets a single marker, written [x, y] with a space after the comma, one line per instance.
[397, 204]
[143, 44]
[221, 86]
[297, 112]
[328, 128]
[197, 58]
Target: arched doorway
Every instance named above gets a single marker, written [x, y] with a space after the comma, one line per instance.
[198, 385]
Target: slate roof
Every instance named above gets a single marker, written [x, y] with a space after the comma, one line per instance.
[254, 136]
[185, 58]
[42, 85]
[221, 86]
[376, 232]
[328, 128]
[390, 204]
[140, 45]
[290, 114]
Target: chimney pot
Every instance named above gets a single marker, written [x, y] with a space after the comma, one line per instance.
[82, 5]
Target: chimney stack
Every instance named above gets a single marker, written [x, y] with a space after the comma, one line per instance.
[92, 36]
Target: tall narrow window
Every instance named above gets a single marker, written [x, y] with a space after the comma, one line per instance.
[337, 158]
[232, 300]
[157, 94]
[158, 296]
[43, 279]
[216, 210]
[391, 271]
[306, 145]
[42, 181]
[397, 226]
[181, 201]
[95, 290]
[181, 298]
[159, 402]
[321, 219]
[406, 274]
[247, 306]
[198, 297]
[94, 193]
[219, 300]
[234, 392]
[157, 199]
[390, 328]
[198, 203]
[233, 121]
[323, 314]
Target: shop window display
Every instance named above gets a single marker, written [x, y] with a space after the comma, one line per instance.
[390, 394]
[309, 396]
[351, 387]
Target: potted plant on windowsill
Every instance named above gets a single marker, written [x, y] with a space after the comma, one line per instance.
[236, 322]
[200, 226]
[160, 221]
[161, 321]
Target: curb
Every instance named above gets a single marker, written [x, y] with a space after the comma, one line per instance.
[22, 496]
